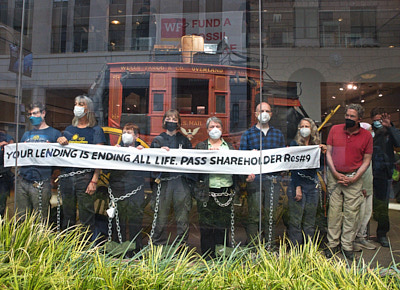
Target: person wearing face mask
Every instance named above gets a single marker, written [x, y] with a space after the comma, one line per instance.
[171, 188]
[271, 138]
[33, 190]
[214, 194]
[386, 137]
[127, 190]
[349, 152]
[77, 185]
[303, 193]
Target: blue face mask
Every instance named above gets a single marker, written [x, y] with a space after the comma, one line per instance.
[377, 124]
[35, 121]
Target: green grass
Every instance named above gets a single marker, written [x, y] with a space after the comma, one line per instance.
[35, 257]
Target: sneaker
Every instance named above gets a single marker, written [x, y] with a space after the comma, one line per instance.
[363, 243]
[357, 247]
[329, 252]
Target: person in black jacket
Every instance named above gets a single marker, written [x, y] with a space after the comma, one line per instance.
[171, 188]
[215, 195]
[386, 137]
[127, 192]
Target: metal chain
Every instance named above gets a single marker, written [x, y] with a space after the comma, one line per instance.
[58, 208]
[215, 196]
[113, 204]
[272, 179]
[39, 186]
[233, 242]
[70, 174]
[156, 206]
[317, 185]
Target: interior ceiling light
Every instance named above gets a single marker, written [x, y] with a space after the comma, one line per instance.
[340, 19]
[341, 89]
[380, 95]
[362, 101]
[354, 87]
[368, 76]
[115, 22]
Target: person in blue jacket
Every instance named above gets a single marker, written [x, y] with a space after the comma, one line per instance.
[303, 193]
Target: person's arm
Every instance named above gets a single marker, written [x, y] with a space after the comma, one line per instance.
[364, 166]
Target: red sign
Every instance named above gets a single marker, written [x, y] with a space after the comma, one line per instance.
[173, 28]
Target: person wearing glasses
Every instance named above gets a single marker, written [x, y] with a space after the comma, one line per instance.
[77, 185]
[33, 190]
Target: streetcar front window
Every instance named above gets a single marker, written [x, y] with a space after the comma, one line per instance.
[190, 96]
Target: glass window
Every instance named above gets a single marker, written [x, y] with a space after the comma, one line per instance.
[220, 103]
[158, 104]
[190, 96]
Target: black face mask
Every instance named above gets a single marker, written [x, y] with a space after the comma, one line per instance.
[171, 126]
[350, 123]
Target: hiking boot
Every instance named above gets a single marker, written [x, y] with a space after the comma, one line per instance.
[348, 254]
[363, 243]
[384, 242]
[329, 252]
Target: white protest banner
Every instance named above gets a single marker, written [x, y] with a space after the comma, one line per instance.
[174, 160]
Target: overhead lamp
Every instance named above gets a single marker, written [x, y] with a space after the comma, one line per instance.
[362, 101]
[333, 97]
[341, 89]
[380, 94]
[115, 22]
[354, 87]
[350, 86]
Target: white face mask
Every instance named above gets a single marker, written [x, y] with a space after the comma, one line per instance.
[79, 112]
[215, 133]
[127, 139]
[305, 132]
[264, 117]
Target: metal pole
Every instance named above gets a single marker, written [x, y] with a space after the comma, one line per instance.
[261, 92]
[19, 93]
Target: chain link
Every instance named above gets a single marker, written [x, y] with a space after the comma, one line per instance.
[39, 186]
[233, 242]
[58, 208]
[215, 196]
[156, 206]
[70, 174]
[113, 203]
[273, 180]
[317, 186]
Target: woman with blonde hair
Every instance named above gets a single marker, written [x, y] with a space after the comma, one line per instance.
[303, 193]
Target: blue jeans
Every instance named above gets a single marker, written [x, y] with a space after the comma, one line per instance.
[302, 213]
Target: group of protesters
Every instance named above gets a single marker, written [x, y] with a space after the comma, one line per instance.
[359, 157]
